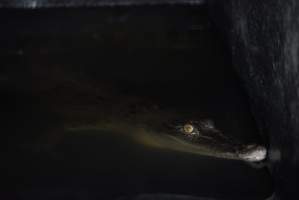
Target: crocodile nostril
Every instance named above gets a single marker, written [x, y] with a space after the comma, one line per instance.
[254, 153]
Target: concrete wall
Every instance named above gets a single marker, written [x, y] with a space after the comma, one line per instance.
[89, 3]
[264, 41]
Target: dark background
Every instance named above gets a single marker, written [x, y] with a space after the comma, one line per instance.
[264, 43]
[171, 54]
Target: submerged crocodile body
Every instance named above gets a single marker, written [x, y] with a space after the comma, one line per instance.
[98, 108]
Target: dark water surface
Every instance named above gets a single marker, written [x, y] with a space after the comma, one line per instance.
[168, 55]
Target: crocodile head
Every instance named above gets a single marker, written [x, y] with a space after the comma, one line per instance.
[212, 142]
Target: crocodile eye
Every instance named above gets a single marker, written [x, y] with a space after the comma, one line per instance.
[188, 128]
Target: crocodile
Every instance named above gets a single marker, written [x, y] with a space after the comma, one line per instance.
[85, 107]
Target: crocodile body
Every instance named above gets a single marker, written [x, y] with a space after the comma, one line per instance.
[86, 107]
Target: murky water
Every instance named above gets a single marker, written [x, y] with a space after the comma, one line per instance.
[51, 86]
[46, 158]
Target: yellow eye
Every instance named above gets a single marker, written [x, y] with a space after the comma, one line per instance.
[188, 128]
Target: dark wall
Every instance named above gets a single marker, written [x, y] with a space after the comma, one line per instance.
[89, 3]
[264, 39]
